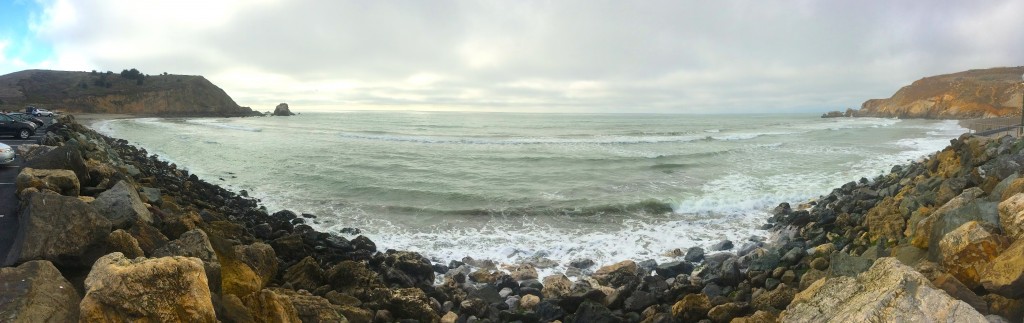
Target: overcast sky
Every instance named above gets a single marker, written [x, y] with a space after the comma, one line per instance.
[555, 56]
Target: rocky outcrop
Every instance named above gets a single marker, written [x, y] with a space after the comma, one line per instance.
[888, 292]
[36, 291]
[162, 95]
[168, 289]
[282, 110]
[58, 228]
[993, 92]
[58, 180]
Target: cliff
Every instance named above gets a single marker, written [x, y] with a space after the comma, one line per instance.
[137, 94]
[993, 92]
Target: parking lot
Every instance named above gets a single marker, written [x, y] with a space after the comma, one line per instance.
[8, 199]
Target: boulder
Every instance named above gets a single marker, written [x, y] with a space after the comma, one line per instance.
[775, 299]
[728, 311]
[556, 286]
[268, 306]
[959, 291]
[29, 151]
[885, 220]
[196, 244]
[412, 303]
[62, 181]
[673, 268]
[590, 311]
[306, 274]
[150, 238]
[1004, 275]
[888, 292]
[121, 241]
[176, 224]
[261, 258]
[282, 110]
[408, 269]
[156, 290]
[63, 157]
[36, 291]
[523, 272]
[618, 274]
[694, 254]
[528, 302]
[692, 308]
[311, 308]
[122, 206]
[1011, 216]
[61, 229]
[966, 250]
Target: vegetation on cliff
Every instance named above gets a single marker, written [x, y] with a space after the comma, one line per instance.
[128, 92]
[984, 93]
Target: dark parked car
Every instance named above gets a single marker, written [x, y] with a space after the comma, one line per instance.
[9, 126]
[27, 118]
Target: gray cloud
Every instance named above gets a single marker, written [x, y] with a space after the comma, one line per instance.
[651, 56]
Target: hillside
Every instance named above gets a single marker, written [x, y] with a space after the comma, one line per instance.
[108, 92]
[992, 92]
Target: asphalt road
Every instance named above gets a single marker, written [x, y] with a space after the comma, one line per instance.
[8, 199]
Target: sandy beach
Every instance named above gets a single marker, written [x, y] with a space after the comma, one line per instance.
[91, 119]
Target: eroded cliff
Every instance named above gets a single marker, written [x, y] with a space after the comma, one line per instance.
[992, 92]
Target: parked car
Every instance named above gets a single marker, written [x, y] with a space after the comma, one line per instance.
[18, 129]
[6, 154]
[27, 118]
[43, 113]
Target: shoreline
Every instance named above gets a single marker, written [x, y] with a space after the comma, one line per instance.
[851, 232]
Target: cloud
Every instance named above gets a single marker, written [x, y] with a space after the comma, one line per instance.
[652, 56]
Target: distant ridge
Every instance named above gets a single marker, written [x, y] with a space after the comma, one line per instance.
[125, 93]
[984, 93]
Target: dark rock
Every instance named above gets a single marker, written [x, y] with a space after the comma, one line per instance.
[61, 229]
[794, 255]
[364, 243]
[581, 263]
[694, 254]
[728, 311]
[548, 311]
[282, 110]
[724, 272]
[619, 274]
[121, 241]
[352, 231]
[647, 266]
[36, 291]
[409, 269]
[64, 157]
[638, 301]
[843, 264]
[122, 206]
[590, 311]
[149, 237]
[487, 293]
[674, 268]
[722, 245]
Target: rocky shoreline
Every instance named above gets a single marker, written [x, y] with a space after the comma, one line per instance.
[109, 232]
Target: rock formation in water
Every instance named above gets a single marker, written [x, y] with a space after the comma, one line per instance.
[993, 92]
[282, 110]
[127, 93]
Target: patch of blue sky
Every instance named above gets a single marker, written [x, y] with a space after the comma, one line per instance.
[19, 40]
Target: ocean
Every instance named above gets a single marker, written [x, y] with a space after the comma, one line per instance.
[516, 187]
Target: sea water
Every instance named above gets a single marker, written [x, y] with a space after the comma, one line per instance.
[521, 187]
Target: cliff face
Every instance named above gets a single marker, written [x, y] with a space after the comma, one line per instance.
[993, 92]
[162, 95]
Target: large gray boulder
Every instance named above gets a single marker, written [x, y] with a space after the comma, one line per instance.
[888, 292]
[122, 206]
[64, 157]
[36, 292]
[168, 289]
[196, 244]
[61, 229]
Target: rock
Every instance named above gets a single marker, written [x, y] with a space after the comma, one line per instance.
[311, 308]
[260, 257]
[523, 272]
[810, 277]
[233, 310]
[61, 229]
[176, 224]
[638, 301]
[581, 263]
[63, 157]
[819, 263]
[150, 195]
[1004, 275]
[775, 299]
[959, 291]
[722, 245]
[121, 241]
[36, 291]
[548, 311]
[885, 220]
[694, 254]
[722, 269]
[122, 206]
[450, 317]
[556, 286]
[757, 317]
[160, 289]
[673, 269]
[282, 110]
[408, 269]
[843, 264]
[889, 291]
[618, 274]
[590, 311]
[268, 306]
[29, 151]
[412, 303]
[150, 239]
[528, 302]
[194, 243]
[58, 180]
[691, 308]
[966, 250]
[726, 312]
[306, 274]
[1012, 309]
[1011, 216]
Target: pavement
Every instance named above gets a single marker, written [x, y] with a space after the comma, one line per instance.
[8, 198]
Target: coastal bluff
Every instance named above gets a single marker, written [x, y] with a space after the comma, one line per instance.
[121, 93]
[980, 93]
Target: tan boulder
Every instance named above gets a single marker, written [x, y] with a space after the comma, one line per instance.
[155, 290]
[885, 220]
[62, 181]
[966, 250]
[312, 308]
[1015, 187]
[691, 308]
[529, 301]
[888, 292]
[556, 286]
[1011, 216]
[618, 274]
[1004, 275]
[36, 291]
[121, 241]
[268, 306]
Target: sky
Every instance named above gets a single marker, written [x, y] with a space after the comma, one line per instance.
[523, 55]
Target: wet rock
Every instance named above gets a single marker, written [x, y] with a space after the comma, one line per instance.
[722, 246]
[61, 229]
[160, 289]
[775, 299]
[412, 303]
[408, 269]
[364, 243]
[674, 268]
[591, 311]
[1004, 275]
[556, 286]
[121, 241]
[36, 291]
[282, 110]
[523, 272]
[691, 308]
[1011, 216]
[58, 180]
[889, 291]
[122, 206]
[581, 263]
[638, 301]
[726, 312]
[722, 269]
[966, 250]
[619, 274]
[548, 311]
[694, 254]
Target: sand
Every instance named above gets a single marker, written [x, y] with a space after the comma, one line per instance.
[91, 120]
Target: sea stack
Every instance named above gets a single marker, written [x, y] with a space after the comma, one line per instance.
[282, 110]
